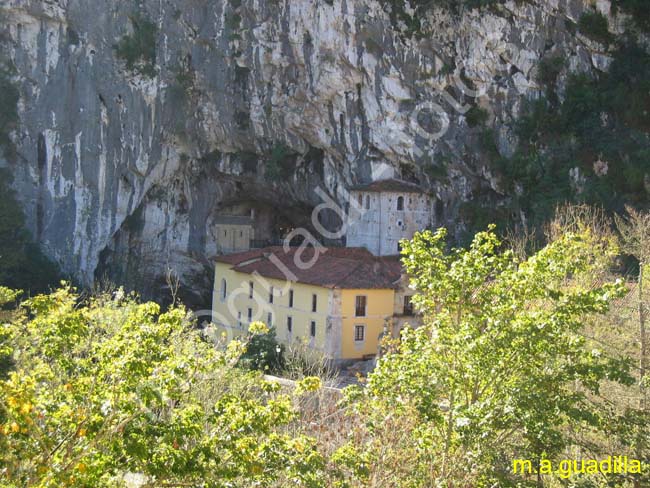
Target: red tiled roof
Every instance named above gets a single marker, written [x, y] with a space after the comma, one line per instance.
[391, 185]
[349, 268]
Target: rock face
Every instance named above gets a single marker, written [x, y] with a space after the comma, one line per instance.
[254, 104]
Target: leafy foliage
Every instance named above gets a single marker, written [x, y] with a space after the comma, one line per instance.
[138, 50]
[476, 116]
[594, 25]
[281, 163]
[263, 353]
[399, 12]
[115, 387]
[601, 129]
[500, 368]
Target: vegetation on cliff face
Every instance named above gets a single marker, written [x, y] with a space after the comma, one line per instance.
[138, 50]
[8, 108]
[593, 146]
[22, 264]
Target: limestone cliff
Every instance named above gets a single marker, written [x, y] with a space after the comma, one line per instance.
[123, 166]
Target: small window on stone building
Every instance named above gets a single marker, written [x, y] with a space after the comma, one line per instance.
[400, 203]
[399, 248]
[367, 202]
[225, 232]
[408, 306]
[360, 201]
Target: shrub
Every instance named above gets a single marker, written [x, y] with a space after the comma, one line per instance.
[109, 385]
[549, 69]
[594, 26]
[476, 116]
[138, 50]
[281, 162]
[263, 353]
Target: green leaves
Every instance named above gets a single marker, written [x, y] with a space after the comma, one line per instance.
[106, 386]
[500, 363]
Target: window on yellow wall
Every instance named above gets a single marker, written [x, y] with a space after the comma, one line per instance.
[359, 333]
[224, 289]
[250, 289]
[312, 329]
[290, 298]
[271, 295]
[269, 319]
[360, 306]
[250, 315]
[314, 302]
[239, 319]
[289, 324]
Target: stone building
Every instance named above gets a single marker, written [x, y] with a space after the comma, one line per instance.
[384, 212]
[233, 233]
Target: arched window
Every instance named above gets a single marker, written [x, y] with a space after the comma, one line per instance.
[224, 289]
[367, 202]
[360, 201]
[400, 203]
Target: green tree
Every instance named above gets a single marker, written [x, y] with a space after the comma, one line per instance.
[500, 369]
[109, 386]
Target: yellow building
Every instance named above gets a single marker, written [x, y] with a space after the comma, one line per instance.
[340, 301]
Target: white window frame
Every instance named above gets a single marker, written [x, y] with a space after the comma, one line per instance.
[365, 308]
[361, 327]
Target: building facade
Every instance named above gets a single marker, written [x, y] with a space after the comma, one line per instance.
[233, 233]
[384, 212]
[341, 306]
